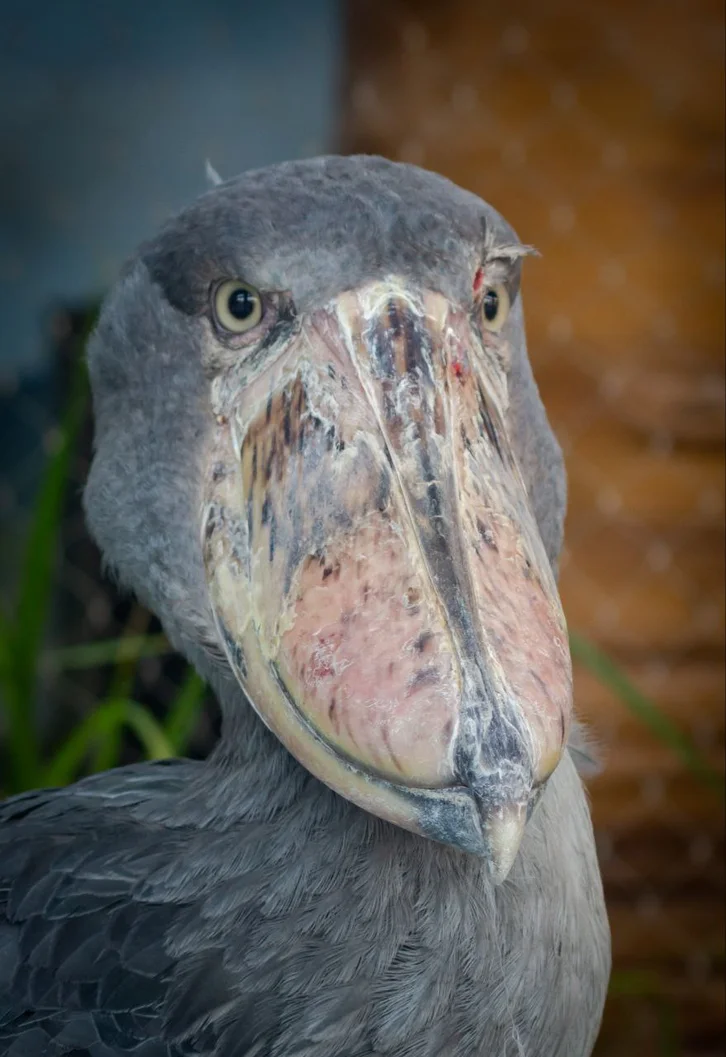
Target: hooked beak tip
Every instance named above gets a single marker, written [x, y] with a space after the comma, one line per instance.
[504, 831]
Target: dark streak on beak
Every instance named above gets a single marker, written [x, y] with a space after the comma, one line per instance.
[387, 604]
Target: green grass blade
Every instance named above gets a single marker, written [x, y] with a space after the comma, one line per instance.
[612, 676]
[7, 673]
[104, 723]
[108, 750]
[121, 688]
[36, 585]
[151, 734]
[6, 653]
[9, 706]
[185, 711]
[108, 651]
[37, 576]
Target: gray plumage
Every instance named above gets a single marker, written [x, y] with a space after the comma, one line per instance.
[239, 907]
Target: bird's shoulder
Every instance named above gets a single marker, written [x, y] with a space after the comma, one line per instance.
[139, 916]
[85, 967]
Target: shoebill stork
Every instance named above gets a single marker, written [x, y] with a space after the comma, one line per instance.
[322, 460]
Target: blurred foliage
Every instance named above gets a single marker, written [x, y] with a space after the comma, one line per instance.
[95, 743]
[26, 762]
[661, 727]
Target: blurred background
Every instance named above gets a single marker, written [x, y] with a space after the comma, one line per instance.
[598, 130]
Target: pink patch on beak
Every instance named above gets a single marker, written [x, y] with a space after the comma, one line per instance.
[368, 660]
[529, 642]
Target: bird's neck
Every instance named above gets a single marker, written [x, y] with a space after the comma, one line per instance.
[261, 778]
[251, 777]
[371, 886]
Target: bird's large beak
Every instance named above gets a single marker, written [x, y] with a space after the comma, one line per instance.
[376, 572]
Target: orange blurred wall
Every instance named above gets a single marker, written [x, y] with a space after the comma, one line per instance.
[597, 129]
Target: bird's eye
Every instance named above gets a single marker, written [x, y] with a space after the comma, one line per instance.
[495, 307]
[237, 306]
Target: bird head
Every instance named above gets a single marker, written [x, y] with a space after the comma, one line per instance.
[320, 451]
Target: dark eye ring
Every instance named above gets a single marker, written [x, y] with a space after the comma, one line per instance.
[237, 306]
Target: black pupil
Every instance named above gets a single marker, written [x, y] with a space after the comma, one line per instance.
[242, 303]
[491, 305]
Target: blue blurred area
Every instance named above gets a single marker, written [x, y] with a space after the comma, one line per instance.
[108, 112]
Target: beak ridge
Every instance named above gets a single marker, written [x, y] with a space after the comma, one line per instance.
[369, 539]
